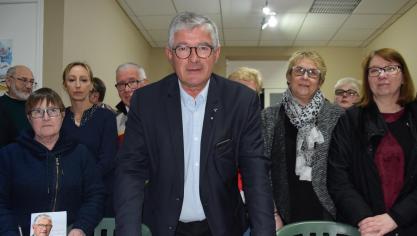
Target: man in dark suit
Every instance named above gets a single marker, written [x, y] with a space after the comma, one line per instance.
[185, 139]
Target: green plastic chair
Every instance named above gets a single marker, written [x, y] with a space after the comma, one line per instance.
[318, 228]
[107, 225]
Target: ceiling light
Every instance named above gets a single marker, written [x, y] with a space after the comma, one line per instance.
[266, 10]
[264, 23]
[272, 21]
[269, 19]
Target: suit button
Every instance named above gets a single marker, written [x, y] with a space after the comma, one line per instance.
[170, 227]
[177, 199]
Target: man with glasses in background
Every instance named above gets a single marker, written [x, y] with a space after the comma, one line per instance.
[129, 77]
[20, 83]
[185, 139]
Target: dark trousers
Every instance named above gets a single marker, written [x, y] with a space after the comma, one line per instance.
[195, 228]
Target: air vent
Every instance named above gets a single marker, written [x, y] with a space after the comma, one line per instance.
[334, 6]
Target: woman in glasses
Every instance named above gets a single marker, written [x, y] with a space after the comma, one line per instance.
[45, 171]
[373, 157]
[297, 132]
[89, 124]
[346, 92]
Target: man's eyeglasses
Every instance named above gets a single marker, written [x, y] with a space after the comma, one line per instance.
[44, 226]
[39, 113]
[26, 81]
[202, 51]
[301, 71]
[349, 92]
[133, 84]
[388, 70]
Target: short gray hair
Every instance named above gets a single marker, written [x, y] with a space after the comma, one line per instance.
[356, 84]
[190, 20]
[140, 70]
[42, 216]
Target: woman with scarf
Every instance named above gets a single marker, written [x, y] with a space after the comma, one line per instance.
[297, 132]
[373, 153]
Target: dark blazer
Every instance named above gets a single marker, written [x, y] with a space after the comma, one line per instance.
[150, 165]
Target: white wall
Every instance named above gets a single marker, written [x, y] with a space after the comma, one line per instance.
[22, 22]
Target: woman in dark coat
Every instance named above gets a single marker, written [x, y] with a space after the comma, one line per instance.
[373, 155]
[46, 172]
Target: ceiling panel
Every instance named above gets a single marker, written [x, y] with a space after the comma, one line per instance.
[154, 7]
[199, 6]
[156, 22]
[379, 6]
[344, 43]
[290, 6]
[241, 43]
[246, 7]
[239, 21]
[365, 21]
[241, 34]
[314, 20]
[317, 33]
[353, 34]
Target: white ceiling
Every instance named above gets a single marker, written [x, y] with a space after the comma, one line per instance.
[239, 21]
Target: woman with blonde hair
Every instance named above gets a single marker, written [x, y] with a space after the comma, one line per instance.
[89, 124]
[248, 76]
[297, 133]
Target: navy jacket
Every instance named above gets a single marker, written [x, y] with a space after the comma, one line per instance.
[153, 152]
[34, 179]
[353, 178]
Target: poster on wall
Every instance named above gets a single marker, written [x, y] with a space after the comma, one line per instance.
[6, 59]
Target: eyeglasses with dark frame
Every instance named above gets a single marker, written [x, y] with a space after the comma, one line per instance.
[184, 52]
[388, 70]
[26, 81]
[39, 113]
[301, 71]
[44, 225]
[133, 84]
[348, 93]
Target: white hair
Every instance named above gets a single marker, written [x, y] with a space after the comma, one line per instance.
[140, 70]
[42, 216]
[355, 83]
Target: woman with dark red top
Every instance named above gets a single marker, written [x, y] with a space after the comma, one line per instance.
[373, 154]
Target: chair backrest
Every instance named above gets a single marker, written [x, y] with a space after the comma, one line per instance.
[107, 225]
[319, 228]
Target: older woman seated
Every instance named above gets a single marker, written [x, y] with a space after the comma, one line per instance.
[44, 172]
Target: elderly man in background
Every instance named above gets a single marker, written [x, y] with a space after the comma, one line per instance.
[129, 77]
[346, 92]
[20, 83]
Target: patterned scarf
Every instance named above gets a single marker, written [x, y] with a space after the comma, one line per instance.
[304, 119]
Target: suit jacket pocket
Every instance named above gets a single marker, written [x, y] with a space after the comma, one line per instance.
[224, 159]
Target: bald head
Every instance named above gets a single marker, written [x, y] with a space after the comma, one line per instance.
[20, 82]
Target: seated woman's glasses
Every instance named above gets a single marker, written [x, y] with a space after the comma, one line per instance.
[39, 113]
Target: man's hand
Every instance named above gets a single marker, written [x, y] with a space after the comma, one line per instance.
[278, 221]
[377, 225]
